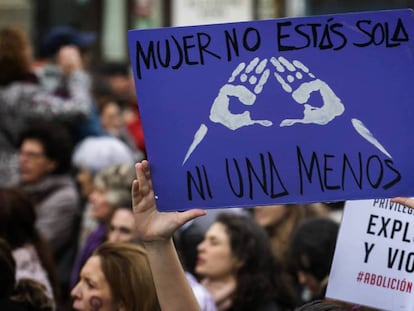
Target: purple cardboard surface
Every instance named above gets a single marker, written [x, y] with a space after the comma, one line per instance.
[278, 111]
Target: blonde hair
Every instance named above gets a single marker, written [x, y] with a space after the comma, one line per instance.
[126, 269]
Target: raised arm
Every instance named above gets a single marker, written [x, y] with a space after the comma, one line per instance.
[404, 201]
[155, 229]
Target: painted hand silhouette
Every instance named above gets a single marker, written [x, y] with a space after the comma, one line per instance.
[295, 78]
[244, 84]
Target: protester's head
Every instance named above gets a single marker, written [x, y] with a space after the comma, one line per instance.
[312, 249]
[122, 226]
[116, 277]
[60, 36]
[235, 246]
[119, 76]
[94, 154]
[111, 117]
[28, 292]
[112, 189]
[15, 55]
[7, 270]
[45, 149]
[281, 220]
[17, 218]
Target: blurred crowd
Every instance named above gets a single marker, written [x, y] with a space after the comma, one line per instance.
[69, 139]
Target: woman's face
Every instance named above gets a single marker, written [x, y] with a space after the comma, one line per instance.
[215, 259]
[34, 164]
[93, 292]
[101, 210]
[111, 118]
[122, 226]
[269, 215]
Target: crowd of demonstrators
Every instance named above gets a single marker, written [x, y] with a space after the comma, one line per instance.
[22, 97]
[67, 154]
[55, 144]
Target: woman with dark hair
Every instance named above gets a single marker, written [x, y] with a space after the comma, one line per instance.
[312, 249]
[23, 99]
[236, 249]
[22, 295]
[45, 166]
[235, 254]
[17, 226]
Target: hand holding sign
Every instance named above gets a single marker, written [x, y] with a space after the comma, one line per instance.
[153, 226]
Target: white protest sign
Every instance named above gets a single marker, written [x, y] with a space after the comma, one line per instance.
[373, 263]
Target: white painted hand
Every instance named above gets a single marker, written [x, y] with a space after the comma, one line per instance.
[244, 84]
[295, 78]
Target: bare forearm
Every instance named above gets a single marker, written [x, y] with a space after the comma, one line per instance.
[173, 289]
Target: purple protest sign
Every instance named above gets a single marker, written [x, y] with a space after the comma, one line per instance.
[278, 111]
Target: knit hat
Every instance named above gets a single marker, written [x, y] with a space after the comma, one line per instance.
[60, 36]
[116, 181]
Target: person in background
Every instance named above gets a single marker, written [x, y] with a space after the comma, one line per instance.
[90, 156]
[122, 226]
[111, 190]
[33, 257]
[112, 123]
[122, 229]
[23, 99]
[116, 277]
[234, 255]
[312, 249]
[280, 221]
[118, 76]
[21, 295]
[45, 164]
[50, 74]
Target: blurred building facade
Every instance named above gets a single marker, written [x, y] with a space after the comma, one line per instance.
[111, 19]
